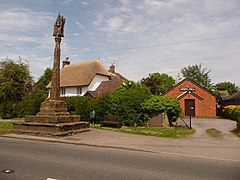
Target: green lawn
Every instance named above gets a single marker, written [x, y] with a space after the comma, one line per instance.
[150, 131]
[5, 127]
[213, 132]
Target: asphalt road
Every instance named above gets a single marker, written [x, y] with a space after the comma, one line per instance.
[41, 160]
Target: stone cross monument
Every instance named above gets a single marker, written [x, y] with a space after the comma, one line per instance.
[54, 104]
[53, 118]
[58, 33]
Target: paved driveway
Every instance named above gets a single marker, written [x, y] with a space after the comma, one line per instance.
[202, 124]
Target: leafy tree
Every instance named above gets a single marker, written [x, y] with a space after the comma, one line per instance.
[158, 83]
[199, 74]
[31, 103]
[230, 87]
[15, 80]
[44, 80]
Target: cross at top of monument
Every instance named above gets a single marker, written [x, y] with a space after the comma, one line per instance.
[59, 26]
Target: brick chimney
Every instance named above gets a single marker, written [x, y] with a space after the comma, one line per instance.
[66, 62]
[112, 69]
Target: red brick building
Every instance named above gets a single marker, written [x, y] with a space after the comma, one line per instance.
[194, 99]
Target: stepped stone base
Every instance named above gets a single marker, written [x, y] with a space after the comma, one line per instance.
[52, 120]
[49, 129]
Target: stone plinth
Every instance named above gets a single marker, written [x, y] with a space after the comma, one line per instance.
[53, 107]
[52, 120]
[49, 129]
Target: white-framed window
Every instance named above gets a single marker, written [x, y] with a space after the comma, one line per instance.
[79, 90]
[62, 91]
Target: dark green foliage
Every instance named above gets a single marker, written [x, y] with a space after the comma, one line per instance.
[158, 83]
[199, 74]
[44, 80]
[80, 105]
[126, 101]
[162, 104]
[10, 109]
[15, 80]
[31, 103]
[230, 87]
[15, 84]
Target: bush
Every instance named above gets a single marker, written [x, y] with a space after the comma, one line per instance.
[125, 101]
[80, 105]
[11, 110]
[231, 112]
[162, 104]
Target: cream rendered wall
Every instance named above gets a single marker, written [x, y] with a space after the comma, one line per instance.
[84, 90]
[96, 82]
[72, 91]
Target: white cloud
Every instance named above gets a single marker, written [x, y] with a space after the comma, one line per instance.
[65, 2]
[80, 26]
[84, 3]
[22, 19]
[114, 23]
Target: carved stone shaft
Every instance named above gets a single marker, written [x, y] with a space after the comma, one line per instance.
[55, 94]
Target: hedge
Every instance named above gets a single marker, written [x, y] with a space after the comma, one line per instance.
[231, 112]
[162, 104]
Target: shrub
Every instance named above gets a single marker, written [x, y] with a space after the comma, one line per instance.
[125, 101]
[11, 110]
[31, 104]
[231, 112]
[81, 105]
[162, 104]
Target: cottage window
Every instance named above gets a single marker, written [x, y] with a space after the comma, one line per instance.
[63, 91]
[79, 90]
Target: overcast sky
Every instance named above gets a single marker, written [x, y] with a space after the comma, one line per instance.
[139, 36]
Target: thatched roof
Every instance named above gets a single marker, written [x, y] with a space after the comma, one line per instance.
[81, 74]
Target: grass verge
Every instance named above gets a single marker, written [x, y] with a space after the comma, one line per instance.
[235, 132]
[6, 124]
[213, 132]
[179, 132]
[5, 127]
